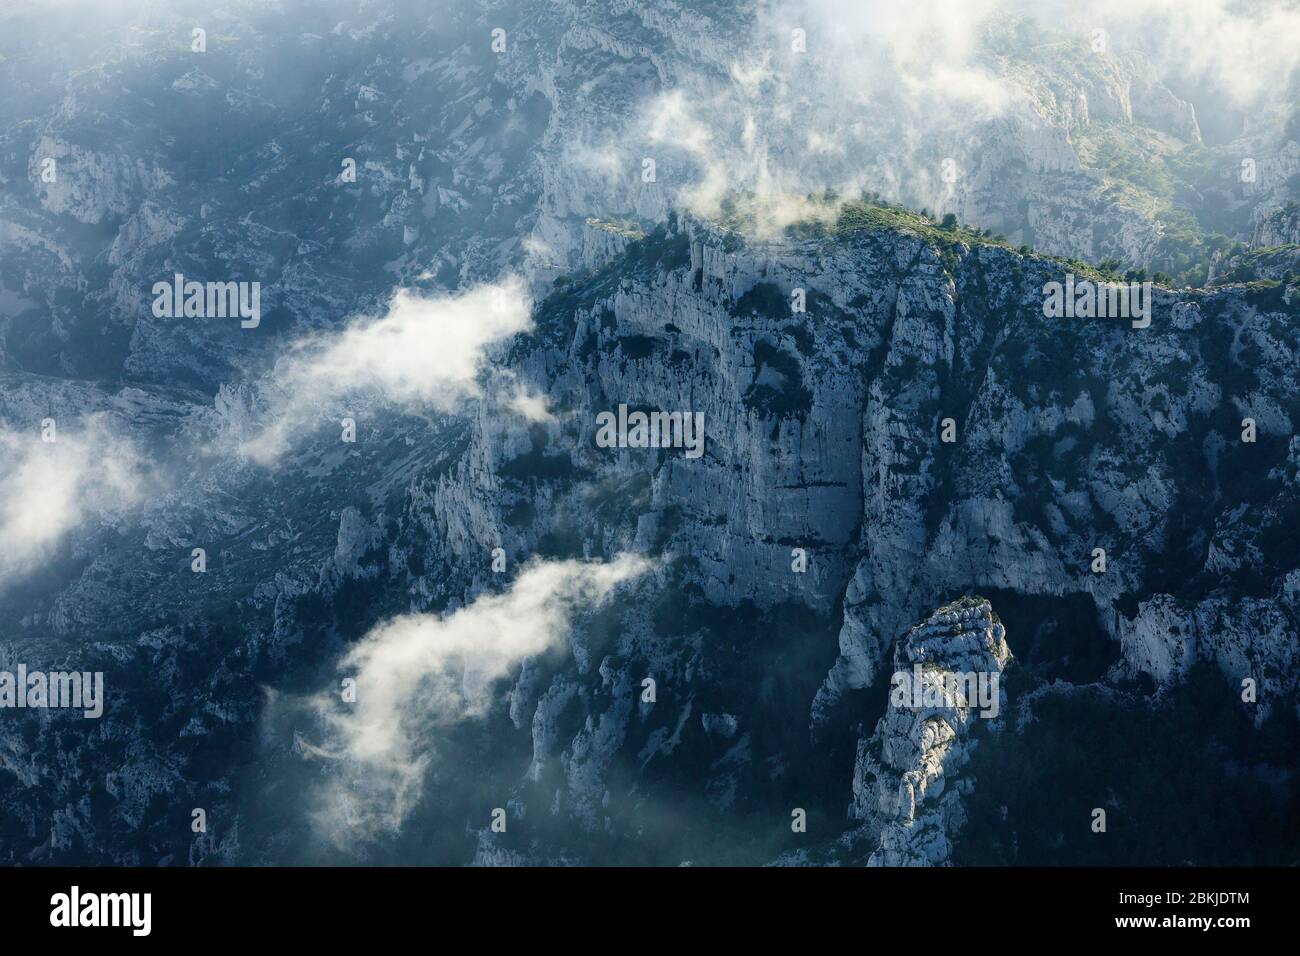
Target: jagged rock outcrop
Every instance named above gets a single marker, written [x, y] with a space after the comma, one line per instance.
[1279, 228]
[906, 782]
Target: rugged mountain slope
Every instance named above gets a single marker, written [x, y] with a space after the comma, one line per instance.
[1132, 442]
[823, 433]
[823, 444]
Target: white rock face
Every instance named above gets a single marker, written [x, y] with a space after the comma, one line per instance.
[1159, 641]
[1280, 227]
[91, 185]
[906, 781]
[357, 536]
[1249, 639]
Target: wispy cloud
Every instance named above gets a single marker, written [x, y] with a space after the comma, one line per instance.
[419, 672]
[48, 489]
[426, 351]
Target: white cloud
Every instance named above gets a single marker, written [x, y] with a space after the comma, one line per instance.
[929, 48]
[49, 489]
[532, 407]
[419, 672]
[424, 352]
